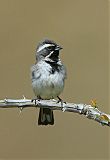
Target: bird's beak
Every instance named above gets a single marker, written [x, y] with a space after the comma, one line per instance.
[58, 48]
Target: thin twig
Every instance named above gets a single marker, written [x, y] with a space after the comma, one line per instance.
[91, 111]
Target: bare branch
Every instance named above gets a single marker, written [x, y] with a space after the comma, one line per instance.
[90, 111]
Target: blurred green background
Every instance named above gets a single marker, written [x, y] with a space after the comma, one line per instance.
[81, 27]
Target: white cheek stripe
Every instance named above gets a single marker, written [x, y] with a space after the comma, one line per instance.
[44, 46]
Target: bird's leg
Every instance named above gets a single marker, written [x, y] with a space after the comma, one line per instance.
[36, 99]
[60, 100]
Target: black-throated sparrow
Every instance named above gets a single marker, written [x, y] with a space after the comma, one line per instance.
[48, 76]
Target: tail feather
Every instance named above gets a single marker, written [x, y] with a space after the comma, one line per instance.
[45, 117]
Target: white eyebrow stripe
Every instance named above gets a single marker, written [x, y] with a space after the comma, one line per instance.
[44, 46]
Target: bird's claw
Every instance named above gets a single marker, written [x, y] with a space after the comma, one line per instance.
[60, 101]
[36, 99]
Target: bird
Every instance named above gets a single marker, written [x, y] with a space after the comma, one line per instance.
[48, 76]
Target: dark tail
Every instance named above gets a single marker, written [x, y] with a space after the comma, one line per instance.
[45, 116]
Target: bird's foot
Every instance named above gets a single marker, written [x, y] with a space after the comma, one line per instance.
[60, 101]
[36, 99]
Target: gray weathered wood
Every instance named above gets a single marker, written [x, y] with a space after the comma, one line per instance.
[88, 110]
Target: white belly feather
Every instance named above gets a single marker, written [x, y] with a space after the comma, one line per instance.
[47, 85]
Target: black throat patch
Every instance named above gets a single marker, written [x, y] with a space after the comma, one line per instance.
[54, 65]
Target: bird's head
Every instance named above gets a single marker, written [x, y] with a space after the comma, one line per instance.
[48, 50]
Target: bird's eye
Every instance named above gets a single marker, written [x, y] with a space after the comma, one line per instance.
[51, 48]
